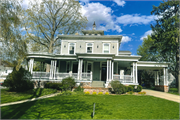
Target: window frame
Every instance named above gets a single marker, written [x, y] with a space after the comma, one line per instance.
[69, 44]
[108, 48]
[88, 46]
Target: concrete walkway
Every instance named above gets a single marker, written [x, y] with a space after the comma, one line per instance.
[29, 100]
[167, 96]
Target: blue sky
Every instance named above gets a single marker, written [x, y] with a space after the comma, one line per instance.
[129, 18]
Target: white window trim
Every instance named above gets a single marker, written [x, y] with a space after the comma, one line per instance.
[103, 47]
[92, 47]
[74, 48]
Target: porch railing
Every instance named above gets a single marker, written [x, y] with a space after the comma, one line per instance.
[40, 75]
[86, 76]
[123, 78]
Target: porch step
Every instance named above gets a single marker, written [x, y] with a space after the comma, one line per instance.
[97, 84]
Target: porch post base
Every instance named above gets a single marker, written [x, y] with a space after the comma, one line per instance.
[163, 88]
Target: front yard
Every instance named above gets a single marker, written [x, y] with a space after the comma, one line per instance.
[7, 96]
[107, 107]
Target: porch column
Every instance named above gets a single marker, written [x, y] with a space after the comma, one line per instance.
[157, 74]
[79, 61]
[81, 68]
[164, 77]
[51, 69]
[133, 74]
[155, 78]
[107, 79]
[117, 68]
[136, 73]
[31, 65]
[112, 69]
[55, 62]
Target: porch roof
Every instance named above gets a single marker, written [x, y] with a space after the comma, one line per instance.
[95, 55]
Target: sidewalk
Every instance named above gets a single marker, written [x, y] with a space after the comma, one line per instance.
[167, 96]
[28, 100]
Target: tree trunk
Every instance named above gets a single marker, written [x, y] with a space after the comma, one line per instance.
[50, 51]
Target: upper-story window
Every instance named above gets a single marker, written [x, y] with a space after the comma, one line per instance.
[71, 48]
[89, 47]
[106, 48]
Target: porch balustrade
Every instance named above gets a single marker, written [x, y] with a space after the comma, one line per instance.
[123, 78]
[60, 76]
[162, 81]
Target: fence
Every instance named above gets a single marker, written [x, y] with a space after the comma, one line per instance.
[123, 78]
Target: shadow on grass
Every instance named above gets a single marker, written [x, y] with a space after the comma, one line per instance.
[60, 107]
[37, 93]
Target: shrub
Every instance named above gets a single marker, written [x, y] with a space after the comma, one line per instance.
[87, 93]
[139, 88]
[106, 93]
[100, 93]
[68, 83]
[67, 93]
[19, 81]
[79, 88]
[94, 93]
[130, 92]
[126, 89]
[130, 88]
[57, 86]
[118, 88]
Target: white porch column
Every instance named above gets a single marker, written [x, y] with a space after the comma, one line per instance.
[164, 71]
[81, 68]
[112, 69]
[51, 69]
[133, 74]
[166, 76]
[55, 62]
[136, 73]
[107, 79]
[79, 62]
[157, 73]
[32, 62]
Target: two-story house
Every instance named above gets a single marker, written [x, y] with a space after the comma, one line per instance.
[95, 57]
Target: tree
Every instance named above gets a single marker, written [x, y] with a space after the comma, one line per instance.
[50, 18]
[12, 44]
[166, 33]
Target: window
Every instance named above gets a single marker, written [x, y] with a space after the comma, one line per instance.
[71, 48]
[106, 48]
[89, 47]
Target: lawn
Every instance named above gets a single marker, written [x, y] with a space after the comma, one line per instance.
[81, 107]
[173, 91]
[7, 96]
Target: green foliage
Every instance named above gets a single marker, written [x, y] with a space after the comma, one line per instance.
[68, 83]
[67, 93]
[130, 88]
[57, 86]
[118, 88]
[19, 80]
[79, 88]
[138, 89]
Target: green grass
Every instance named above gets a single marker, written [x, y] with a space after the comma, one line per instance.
[173, 91]
[81, 107]
[7, 96]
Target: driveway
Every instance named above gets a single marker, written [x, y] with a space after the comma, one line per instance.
[168, 96]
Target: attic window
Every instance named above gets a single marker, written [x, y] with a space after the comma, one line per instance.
[89, 47]
[106, 48]
[71, 48]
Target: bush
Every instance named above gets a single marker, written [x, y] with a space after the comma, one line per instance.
[118, 88]
[142, 93]
[106, 93]
[19, 81]
[100, 93]
[57, 86]
[130, 88]
[126, 88]
[79, 88]
[94, 93]
[130, 92]
[67, 93]
[68, 83]
[138, 89]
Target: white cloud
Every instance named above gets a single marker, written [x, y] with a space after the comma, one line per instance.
[135, 19]
[125, 39]
[145, 34]
[101, 15]
[119, 2]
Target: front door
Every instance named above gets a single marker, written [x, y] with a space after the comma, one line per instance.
[103, 73]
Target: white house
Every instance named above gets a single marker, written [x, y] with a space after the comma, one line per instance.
[94, 58]
[4, 71]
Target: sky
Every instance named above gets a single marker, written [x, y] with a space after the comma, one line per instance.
[130, 18]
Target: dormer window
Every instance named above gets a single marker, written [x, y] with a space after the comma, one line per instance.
[89, 47]
[71, 48]
[106, 48]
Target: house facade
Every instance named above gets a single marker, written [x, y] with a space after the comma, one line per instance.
[94, 58]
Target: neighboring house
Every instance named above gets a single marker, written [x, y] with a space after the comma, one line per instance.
[4, 71]
[94, 57]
